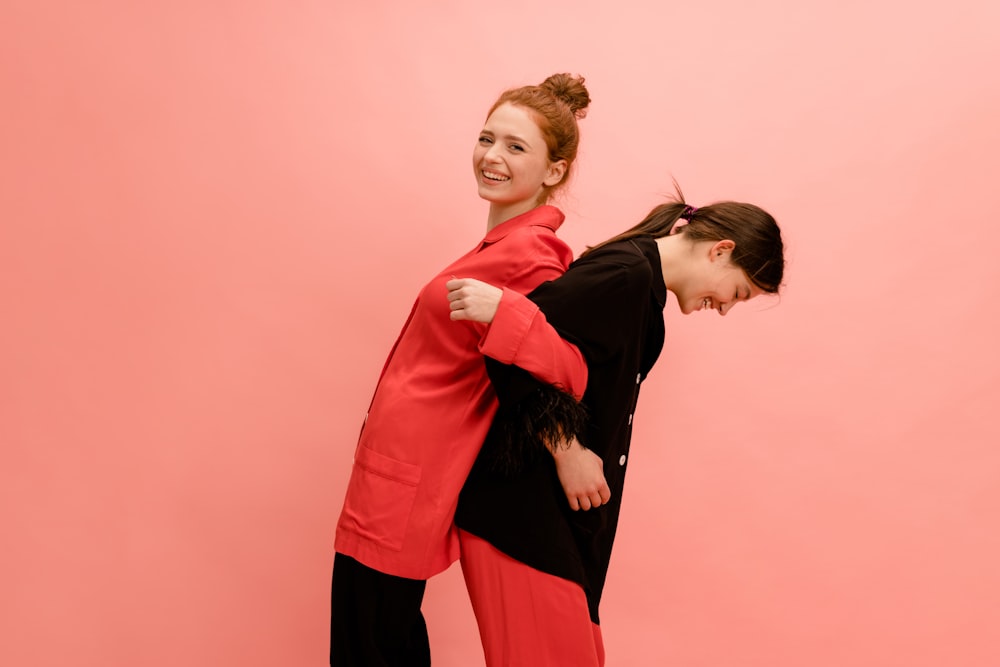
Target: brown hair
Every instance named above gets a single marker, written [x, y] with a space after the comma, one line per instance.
[759, 250]
[556, 104]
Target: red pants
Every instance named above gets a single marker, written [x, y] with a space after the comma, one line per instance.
[527, 618]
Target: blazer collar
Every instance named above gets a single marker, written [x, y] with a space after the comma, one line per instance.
[540, 216]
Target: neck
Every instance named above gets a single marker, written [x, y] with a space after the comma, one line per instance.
[675, 255]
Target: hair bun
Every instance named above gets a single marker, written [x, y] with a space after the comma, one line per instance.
[570, 90]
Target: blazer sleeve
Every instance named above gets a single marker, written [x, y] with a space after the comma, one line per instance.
[521, 335]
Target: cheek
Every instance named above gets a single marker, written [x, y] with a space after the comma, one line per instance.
[537, 168]
[479, 154]
[717, 286]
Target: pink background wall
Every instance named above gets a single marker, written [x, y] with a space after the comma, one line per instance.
[214, 217]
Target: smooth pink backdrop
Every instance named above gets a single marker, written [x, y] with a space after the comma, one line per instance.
[214, 218]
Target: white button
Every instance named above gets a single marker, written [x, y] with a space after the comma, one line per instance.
[630, 420]
[638, 377]
[621, 461]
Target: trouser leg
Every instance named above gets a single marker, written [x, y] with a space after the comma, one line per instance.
[527, 618]
[375, 618]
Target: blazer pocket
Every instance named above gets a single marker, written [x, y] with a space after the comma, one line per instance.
[380, 497]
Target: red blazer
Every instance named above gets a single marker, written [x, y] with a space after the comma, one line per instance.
[434, 401]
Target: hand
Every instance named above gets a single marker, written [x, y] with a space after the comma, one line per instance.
[473, 299]
[581, 473]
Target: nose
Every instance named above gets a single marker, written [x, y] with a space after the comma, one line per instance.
[493, 154]
[725, 308]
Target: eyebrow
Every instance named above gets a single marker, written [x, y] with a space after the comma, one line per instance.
[508, 137]
[516, 139]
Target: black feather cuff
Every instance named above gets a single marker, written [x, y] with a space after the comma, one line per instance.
[545, 417]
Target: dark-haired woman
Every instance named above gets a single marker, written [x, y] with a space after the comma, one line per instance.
[434, 402]
[534, 565]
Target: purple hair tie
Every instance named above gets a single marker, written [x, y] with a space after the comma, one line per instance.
[688, 212]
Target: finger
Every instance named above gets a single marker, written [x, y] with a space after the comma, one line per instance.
[585, 503]
[573, 504]
[605, 493]
[595, 500]
[454, 283]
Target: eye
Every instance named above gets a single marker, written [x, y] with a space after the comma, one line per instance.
[517, 147]
[484, 140]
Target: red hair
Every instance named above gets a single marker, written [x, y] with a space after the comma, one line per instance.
[556, 104]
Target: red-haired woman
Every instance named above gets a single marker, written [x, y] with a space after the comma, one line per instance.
[434, 403]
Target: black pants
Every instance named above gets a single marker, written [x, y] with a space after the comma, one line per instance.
[375, 618]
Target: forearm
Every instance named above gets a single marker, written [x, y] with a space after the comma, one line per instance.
[521, 335]
[581, 474]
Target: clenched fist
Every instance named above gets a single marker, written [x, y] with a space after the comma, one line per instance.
[473, 300]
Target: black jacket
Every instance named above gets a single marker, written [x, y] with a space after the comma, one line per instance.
[610, 304]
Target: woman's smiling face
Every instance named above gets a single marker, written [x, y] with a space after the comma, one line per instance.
[716, 284]
[511, 160]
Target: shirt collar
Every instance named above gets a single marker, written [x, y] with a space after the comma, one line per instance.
[540, 216]
[651, 250]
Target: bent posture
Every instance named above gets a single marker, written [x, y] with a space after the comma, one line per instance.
[534, 563]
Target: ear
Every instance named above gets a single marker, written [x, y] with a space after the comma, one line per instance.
[555, 173]
[721, 250]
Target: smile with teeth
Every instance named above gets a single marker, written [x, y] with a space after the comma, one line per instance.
[494, 176]
[706, 303]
